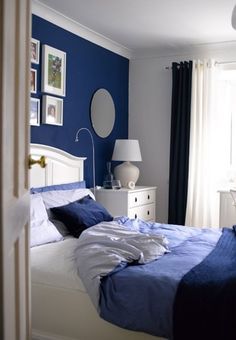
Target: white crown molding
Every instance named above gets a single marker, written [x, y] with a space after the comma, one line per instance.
[72, 26]
[185, 50]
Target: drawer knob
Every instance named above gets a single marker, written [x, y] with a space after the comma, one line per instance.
[148, 212]
[135, 216]
[135, 199]
[148, 197]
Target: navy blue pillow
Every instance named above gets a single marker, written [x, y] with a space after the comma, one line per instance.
[81, 214]
[66, 186]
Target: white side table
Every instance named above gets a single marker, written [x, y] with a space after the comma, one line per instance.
[139, 202]
[227, 216]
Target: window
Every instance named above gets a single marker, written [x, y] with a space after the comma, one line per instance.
[226, 104]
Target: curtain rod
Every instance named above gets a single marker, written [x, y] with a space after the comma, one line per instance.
[216, 63]
[225, 62]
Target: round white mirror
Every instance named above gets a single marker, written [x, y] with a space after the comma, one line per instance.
[102, 113]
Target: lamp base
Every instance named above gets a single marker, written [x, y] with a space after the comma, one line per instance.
[126, 172]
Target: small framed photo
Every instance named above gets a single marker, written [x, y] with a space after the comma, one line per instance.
[52, 110]
[34, 111]
[33, 80]
[53, 71]
[35, 48]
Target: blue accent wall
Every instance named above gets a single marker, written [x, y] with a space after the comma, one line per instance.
[89, 67]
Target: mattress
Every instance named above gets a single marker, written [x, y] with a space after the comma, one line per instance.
[54, 265]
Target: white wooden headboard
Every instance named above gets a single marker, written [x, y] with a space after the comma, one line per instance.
[61, 166]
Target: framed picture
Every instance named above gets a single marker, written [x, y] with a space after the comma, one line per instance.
[52, 110]
[53, 71]
[35, 48]
[33, 80]
[34, 111]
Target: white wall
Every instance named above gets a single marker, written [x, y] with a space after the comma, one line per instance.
[150, 113]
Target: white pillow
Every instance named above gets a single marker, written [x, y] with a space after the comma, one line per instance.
[57, 198]
[42, 230]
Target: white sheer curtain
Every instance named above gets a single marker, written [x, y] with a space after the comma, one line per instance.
[207, 150]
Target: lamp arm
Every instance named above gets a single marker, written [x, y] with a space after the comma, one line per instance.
[93, 149]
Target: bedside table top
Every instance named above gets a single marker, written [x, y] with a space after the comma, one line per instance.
[137, 188]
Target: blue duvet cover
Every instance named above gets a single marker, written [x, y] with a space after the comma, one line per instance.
[141, 296]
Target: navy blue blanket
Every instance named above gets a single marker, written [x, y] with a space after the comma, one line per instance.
[205, 303]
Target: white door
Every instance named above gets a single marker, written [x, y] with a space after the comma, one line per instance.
[15, 32]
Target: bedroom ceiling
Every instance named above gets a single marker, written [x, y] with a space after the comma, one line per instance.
[153, 25]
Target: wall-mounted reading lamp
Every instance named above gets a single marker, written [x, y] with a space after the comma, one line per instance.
[91, 136]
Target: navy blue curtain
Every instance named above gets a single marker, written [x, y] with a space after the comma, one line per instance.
[179, 143]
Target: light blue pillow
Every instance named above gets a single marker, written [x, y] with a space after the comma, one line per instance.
[42, 231]
[65, 186]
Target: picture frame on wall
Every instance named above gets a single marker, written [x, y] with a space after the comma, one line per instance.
[34, 111]
[35, 49]
[33, 80]
[53, 71]
[52, 110]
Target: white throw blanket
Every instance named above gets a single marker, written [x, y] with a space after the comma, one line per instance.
[106, 245]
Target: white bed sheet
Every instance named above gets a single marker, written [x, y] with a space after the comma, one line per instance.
[54, 264]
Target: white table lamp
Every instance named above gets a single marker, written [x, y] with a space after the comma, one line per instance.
[127, 150]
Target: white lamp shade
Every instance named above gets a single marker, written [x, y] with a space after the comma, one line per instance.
[127, 150]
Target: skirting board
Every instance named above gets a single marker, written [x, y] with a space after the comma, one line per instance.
[37, 335]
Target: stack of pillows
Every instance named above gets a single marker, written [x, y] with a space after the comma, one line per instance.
[61, 210]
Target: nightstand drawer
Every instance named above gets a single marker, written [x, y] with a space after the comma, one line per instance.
[144, 212]
[139, 198]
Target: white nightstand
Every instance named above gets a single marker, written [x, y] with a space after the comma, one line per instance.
[137, 203]
[227, 209]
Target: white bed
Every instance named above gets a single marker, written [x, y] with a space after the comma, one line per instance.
[61, 308]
